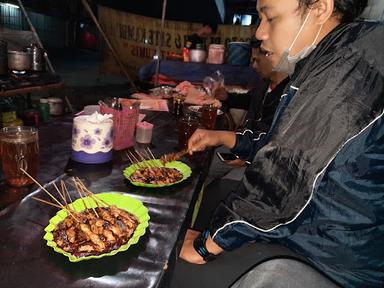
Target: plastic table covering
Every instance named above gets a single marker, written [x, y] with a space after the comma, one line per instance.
[26, 260]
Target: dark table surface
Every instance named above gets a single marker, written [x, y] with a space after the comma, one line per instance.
[26, 260]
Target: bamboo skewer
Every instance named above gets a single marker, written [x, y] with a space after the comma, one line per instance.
[62, 195]
[150, 152]
[136, 161]
[45, 202]
[78, 191]
[45, 190]
[64, 188]
[85, 195]
[91, 194]
[129, 158]
[148, 164]
[89, 201]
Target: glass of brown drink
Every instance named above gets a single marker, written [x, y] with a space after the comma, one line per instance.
[19, 148]
[208, 116]
[178, 103]
[187, 125]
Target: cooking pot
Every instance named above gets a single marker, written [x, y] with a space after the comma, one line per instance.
[19, 60]
[197, 55]
[37, 57]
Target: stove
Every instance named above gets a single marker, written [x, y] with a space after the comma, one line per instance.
[22, 79]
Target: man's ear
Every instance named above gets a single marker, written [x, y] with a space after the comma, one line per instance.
[323, 10]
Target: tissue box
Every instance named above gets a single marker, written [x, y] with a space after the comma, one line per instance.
[124, 123]
[92, 139]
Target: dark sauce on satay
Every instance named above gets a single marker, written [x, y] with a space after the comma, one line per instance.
[94, 235]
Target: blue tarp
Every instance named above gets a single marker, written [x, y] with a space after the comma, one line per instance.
[195, 72]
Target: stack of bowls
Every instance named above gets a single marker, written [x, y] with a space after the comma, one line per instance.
[3, 58]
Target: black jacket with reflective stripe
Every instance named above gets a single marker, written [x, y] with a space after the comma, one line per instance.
[317, 185]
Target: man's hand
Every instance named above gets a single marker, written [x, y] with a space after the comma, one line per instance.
[203, 139]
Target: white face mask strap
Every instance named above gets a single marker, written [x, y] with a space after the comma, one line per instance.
[318, 34]
[301, 29]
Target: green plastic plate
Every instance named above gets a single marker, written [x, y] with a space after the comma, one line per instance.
[183, 168]
[122, 201]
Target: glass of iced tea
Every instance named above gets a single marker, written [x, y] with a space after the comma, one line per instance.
[208, 116]
[19, 147]
[187, 125]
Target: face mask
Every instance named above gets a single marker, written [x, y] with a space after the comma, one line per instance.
[287, 63]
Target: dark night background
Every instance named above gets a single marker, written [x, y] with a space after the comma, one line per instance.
[194, 11]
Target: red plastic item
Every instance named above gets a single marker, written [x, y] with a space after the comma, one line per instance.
[124, 123]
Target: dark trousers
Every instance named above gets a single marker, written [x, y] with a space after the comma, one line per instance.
[229, 266]
[216, 192]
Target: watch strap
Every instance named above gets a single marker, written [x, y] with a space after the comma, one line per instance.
[200, 246]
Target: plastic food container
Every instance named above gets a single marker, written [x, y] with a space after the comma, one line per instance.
[144, 132]
[92, 142]
[56, 106]
[216, 54]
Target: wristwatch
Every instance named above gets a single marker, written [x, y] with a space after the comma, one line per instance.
[200, 246]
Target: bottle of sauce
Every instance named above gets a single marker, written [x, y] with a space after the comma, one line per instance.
[186, 51]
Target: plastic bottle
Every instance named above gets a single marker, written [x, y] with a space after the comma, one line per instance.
[186, 51]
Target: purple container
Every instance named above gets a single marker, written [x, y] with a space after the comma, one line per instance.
[96, 158]
[92, 143]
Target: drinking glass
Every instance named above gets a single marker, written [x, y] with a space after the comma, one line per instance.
[208, 116]
[218, 77]
[19, 148]
[178, 104]
[187, 126]
[209, 85]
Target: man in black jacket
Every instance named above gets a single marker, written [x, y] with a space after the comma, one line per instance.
[316, 184]
[261, 105]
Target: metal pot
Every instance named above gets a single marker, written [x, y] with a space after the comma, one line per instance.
[37, 58]
[19, 61]
[197, 55]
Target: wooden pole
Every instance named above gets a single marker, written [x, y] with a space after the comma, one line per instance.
[37, 39]
[161, 43]
[122, 67]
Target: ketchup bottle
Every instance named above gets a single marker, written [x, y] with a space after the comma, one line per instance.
[186, 51]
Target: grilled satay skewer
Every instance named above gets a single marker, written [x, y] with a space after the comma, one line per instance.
[173, 156]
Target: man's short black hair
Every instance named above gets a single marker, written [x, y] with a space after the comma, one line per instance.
[348, 10]
[212, 25]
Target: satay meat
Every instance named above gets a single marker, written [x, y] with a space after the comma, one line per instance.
[94, 235]
[156, 175]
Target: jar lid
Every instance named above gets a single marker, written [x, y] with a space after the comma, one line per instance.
[239, 43]
[43, 100]
[54, 100]
[216, 46]
[200, 46]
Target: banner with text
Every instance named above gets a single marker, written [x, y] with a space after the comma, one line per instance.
[136, 38]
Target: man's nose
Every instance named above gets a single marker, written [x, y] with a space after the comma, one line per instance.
[262, 31]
